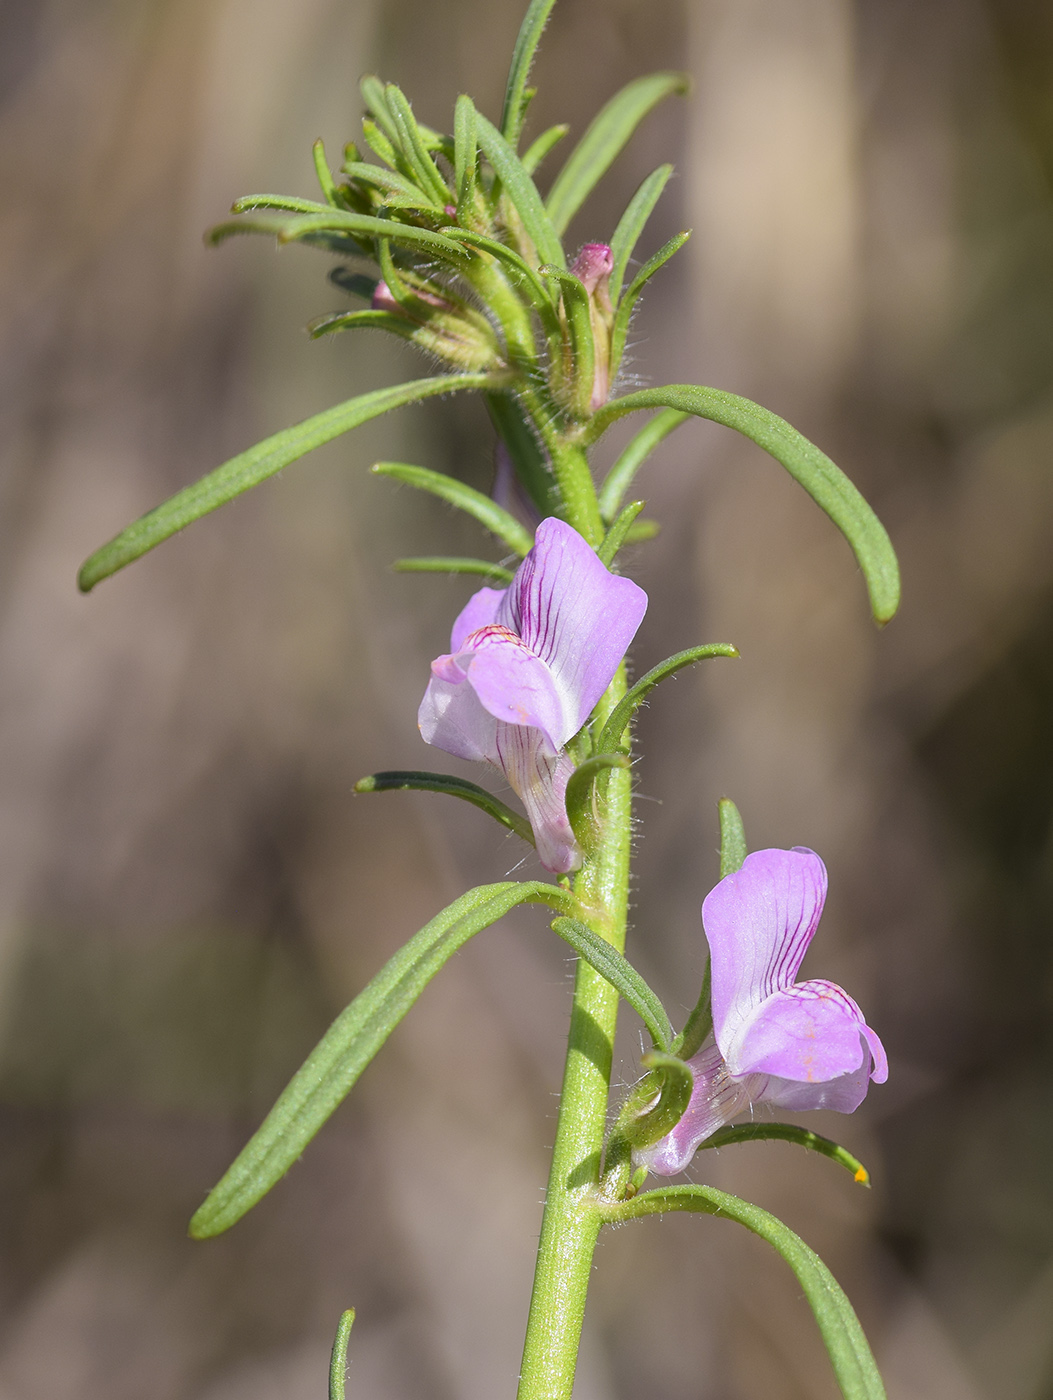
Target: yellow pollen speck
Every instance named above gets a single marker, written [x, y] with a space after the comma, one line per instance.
[862, 1176]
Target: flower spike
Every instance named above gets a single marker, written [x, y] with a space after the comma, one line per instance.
[799, 1045]
[527, 664]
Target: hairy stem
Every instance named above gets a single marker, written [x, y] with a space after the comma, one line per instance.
[571, 1221]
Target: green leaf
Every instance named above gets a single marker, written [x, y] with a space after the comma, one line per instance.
[821, 478]
[790, 1132]
[845, 1342]
[641, 530]
[443, 564]
[531, 464]
[454, 787]
[603, 141]
[618, 531]
[341, 221]
[733, 848]
[732, 854]
[527, 40]
[249, 468]
[630, 702]
[621, 974]
[362, 320]
[522, 273]
[290, 202]
[374, 95]
[325, 175]
[412, 146]
[522, 191]
[351, 1042]
[633, 455]
[357, 283]
[583, 821]
[465, 156]
[381, 179]
[338, 1360]
[631, 225]
[582, 344]
[674, 1082]
[627, 305]
[497, 520]
[379, 144]
[699, 1023]
[536, 152]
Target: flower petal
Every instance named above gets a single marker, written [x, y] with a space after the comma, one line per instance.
[842, 1095]
[511, 682]
[574, 614]
[480, 610]
[810, 1033]
[540, 779]
[452, 718]
[715, 1100]
[759, 922]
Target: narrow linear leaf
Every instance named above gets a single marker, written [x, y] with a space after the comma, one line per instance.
[379, 144]
[338, 1360]
[522, 191]
[632, 223]
[789, 1132]
[249, 468]
[527, 40]
[618, 531]
[583, 819]
[531, 464]
[374, 95]
[381, 179]
[627, 305]
[604, 139]
[641, 530]
[291, 202]
[821, 478]
[465, 156]
[621, 974]
[342, 221]
[362, 320]
[582, 344]
[357, 283]
[413, 148]
[630, 702]
[446, 565]
[675, 1083]
[497, 520]
[699, 1024]
[325, 176]
[522, 273]
[633, 455]
[854, 1366]
[733, 848]
[351, 1042]
[395, 781]
[536, 152]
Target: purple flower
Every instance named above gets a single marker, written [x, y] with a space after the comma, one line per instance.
[799, 1045]
[527, 664]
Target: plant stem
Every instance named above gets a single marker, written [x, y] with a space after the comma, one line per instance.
[571, 1221]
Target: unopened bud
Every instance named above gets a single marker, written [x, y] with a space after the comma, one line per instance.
[592, 267]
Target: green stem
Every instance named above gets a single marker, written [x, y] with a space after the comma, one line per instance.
[571, 1221]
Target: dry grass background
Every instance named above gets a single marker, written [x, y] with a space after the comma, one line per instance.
[189, 890]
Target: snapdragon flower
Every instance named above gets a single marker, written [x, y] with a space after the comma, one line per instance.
[799, 1045]
[526, 666]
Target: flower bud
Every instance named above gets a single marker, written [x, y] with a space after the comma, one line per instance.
[592, 267]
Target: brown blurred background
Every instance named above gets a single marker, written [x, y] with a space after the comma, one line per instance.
[189, 890]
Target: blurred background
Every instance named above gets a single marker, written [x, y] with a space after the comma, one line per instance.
[188, 889]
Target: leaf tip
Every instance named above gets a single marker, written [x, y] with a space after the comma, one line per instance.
[366, 784]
